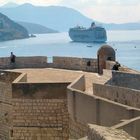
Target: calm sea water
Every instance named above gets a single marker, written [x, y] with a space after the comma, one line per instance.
[126, 44]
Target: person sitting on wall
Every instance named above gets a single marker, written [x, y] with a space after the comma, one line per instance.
[116, 66]
[12, 58]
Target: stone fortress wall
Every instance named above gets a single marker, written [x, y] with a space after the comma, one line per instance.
[63, 110]
[32, 110]
[72, 63]
[6, 79]
[122, 87]
[101, 111]
[22, 62]
[39, 110]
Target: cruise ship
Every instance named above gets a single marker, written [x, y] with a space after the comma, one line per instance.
[92, 34]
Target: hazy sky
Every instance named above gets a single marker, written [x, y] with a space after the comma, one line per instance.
[118, 11]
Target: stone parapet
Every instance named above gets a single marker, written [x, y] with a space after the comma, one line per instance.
[121, 95]
[56, 109]
[74, 63]
[6, 79]
[131, 126]
[105, 133]
[128, 80]
[24, 62]
[95, 109]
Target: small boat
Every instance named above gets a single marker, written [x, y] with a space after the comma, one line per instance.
[32, 35]
[89, 46]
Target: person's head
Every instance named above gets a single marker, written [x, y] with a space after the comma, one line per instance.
[11, 53]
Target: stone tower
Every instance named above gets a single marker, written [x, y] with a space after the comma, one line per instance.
[105, 53]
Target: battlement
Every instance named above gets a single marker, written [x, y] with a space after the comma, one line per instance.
[57, 101]
[72, 63]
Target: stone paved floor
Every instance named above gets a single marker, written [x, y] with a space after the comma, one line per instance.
[49, 75]
[61, 75]
[94, 78]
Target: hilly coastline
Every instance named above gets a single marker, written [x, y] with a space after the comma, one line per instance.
[58, 18]
[55, 17]
[36, 28]
[10, 30]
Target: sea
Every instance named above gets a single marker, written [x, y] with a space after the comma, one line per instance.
[126, 44]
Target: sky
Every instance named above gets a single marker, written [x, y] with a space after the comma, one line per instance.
[109, 11]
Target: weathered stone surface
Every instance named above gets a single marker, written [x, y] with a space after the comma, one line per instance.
[105, 133]
[73, 63]
[35, 106]
[77, 130]
[40, 117]
[6, 79]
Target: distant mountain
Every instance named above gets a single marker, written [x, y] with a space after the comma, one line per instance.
[36, 28]
[10, 30]
[58, 17]
[54, 17]
[10, 5]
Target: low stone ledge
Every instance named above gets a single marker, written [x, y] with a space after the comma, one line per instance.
[105, 133]
[84, 138]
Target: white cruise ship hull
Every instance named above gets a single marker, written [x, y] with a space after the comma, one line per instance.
[97, 34]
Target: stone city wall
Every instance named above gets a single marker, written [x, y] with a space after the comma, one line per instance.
[79, 83]
[6, 79]
[42, 119]
[39, 90]
[94, 110]
[128, 80]
[85, 109]
[128, 70]
[31, 62]
[4, 132]
[131, 126]
[4, 62]
[73, 63]
[77, 130]
[105, 133]
[5, 92]
[121, 95]
[5, 120]
[110, 64]
[40, 111]
[88, 109]
[24, 62]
